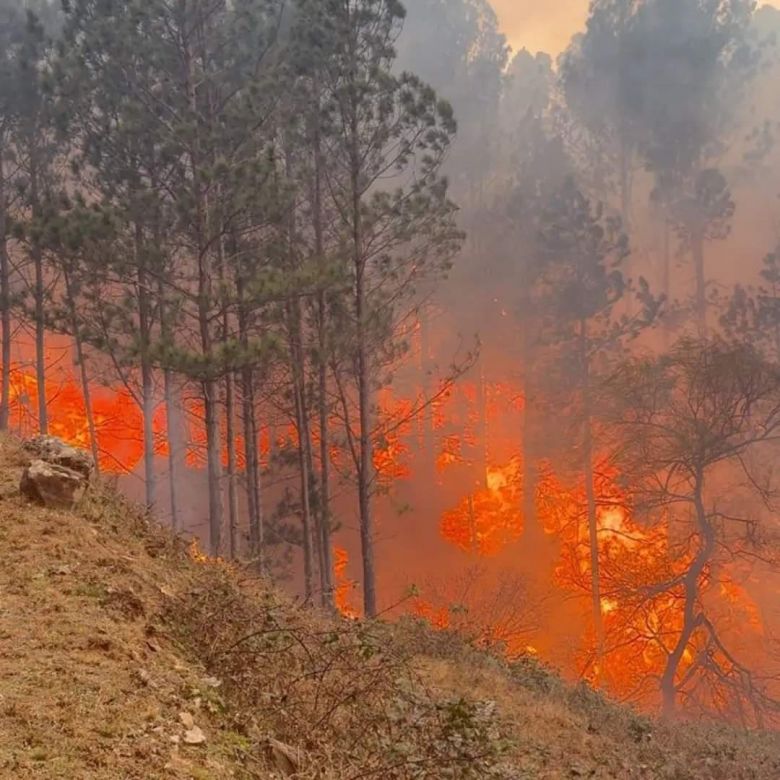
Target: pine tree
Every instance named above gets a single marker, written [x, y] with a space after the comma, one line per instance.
[383, 125]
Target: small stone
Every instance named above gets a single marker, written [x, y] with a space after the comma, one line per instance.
[194, 736]
[146, 678]
[186, 720]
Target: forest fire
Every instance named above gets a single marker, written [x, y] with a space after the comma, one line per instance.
[485, 523]
[378, 343]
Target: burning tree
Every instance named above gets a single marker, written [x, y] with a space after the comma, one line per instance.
[582, 288]
[696, 432]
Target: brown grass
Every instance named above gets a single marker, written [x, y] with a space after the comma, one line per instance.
[109, 631]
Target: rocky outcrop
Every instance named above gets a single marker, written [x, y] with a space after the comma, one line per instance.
[57, 475]
[53, 450]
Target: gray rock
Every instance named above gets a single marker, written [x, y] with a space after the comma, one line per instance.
[52, 450]
[53, 485]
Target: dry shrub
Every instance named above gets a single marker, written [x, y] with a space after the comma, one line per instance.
[339, 691]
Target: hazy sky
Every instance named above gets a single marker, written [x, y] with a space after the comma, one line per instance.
[541, 25]
[545, 25]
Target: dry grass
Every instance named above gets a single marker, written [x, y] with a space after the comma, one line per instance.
[109, 631]
[88, 689]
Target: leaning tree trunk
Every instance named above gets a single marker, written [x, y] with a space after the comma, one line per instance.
[5, 306]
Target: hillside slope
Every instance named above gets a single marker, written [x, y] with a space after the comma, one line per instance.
[123, 657]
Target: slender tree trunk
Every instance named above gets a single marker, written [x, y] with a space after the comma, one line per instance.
[173, 415]
[253, 479]
[324, 518]
[230, 405]
[232, 460]
[304, 446]
[697, 251]
[40, 305]
[5, 305]
[251, 435]
[204, 292]
[81, 359]
[326, 575]
[590, 491]
[175, 445]
[147, 370]
[365, 466]
[213, 461]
